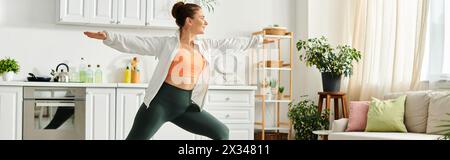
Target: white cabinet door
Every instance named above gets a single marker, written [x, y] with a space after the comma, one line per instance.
[237, 132]
[170, 131]
[11, 113]
[100, 113]
[159, 14]
[74, 11]
[103, 11]
[132, 12]
[128, 103]
[234, 108]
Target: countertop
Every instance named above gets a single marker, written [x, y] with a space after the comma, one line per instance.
[108, 85]
[88, 85]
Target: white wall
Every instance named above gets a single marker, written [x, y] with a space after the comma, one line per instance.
[30, 35]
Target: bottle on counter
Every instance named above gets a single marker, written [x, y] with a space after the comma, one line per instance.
[135, 76]
[98, 75]
[74, 75]
[82, 71]
[89, 75]
[127, 76]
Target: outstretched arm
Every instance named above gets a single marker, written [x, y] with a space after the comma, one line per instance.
[240, 43]
[129, 44]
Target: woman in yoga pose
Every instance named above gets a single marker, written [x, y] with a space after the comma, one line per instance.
[176, 92]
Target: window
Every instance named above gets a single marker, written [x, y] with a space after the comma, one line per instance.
[436, 64]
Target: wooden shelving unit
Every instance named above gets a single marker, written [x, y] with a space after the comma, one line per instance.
[263, 67]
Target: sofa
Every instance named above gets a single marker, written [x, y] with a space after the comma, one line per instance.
[424, 112]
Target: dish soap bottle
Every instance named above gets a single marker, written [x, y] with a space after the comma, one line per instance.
[127, 75]
[82, 71]
[89, 75]
[135, 76]
[98, 75]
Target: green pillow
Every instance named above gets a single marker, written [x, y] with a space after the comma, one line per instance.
[386, 116]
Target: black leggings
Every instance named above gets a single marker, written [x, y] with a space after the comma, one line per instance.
[62, 115]
[172, 104]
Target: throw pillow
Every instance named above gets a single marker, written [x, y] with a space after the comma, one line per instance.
[357, 116]
[339, 125]
[416, 109]
[437, 114]
[386, 116]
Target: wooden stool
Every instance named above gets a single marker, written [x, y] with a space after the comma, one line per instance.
[335, 96]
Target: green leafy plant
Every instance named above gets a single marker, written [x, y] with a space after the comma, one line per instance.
[273, 83]
[319, 53]
[446, 129]
[281, 89]
[209, 4]
[8, 65]
[306, 118]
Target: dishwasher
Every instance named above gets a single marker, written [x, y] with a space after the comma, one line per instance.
[54, 113]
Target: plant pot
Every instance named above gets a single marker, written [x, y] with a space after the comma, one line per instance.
[274, 91]
[8, 76]
[330, 82]
[280, 96]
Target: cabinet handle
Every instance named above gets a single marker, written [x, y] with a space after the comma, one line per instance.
[227, 99]
[112, 22]
[227, 116]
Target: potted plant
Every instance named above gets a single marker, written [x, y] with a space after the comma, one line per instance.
[306, 118]
[280, 92]
[273, 86]
[8, 67]
[331, 62]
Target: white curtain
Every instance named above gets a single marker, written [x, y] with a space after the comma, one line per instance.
[391, 35]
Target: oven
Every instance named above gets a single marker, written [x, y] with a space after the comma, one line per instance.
[54, 113]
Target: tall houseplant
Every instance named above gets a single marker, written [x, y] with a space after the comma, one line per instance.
[331, 62]
[306, 118]
[8, 67]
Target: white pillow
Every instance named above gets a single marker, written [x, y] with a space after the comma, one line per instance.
[339, 125]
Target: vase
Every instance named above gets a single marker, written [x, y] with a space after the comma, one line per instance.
[330, 82]
[280, 96]
[8, 76]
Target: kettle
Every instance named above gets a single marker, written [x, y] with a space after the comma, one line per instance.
[62, 77]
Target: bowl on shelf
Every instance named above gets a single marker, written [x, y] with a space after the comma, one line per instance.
[274, 64]
[276, 30]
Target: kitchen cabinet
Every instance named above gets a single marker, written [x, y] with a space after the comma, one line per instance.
[111, 109]
[235, 107]
[159, 14]
[11, 100]
[132, 12]
[100, 113]
[73, 11]
[103, 11]
[138, 13]
[128, 102]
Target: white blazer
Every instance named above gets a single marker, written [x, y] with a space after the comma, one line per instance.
[166, 48]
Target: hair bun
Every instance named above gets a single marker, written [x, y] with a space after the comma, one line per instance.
[176, 8]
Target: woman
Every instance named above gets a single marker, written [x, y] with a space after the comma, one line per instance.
[177, 95]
